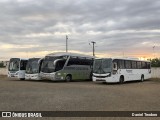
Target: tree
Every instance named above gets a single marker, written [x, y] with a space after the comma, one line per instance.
[1, 65]
[155, 62]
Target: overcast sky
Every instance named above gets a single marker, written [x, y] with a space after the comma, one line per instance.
[33, 28]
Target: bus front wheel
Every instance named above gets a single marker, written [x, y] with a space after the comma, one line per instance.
[142, 78]
[68, 78]
[121, 79]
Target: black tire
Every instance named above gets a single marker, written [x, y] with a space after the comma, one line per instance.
[22, 78]
[68, 78]
[142, 78]
[90, 77]
[121, 80]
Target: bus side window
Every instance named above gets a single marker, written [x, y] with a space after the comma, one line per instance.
[139, 66]
[134, 65]
[73, 61]
[144, 65]
[115, 66]
[40, 64]
[148, 65]
[60, 64]
[128, 64]
[121, 64]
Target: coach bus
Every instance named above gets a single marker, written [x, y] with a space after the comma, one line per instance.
[17, 67]
[33, 69]
[120, 70]
[66, 66]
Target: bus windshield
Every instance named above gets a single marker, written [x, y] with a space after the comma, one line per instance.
[32, 66]
[14, 64]
[102, 66]
[48, 64]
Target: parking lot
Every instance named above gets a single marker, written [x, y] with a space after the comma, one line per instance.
[46, 95]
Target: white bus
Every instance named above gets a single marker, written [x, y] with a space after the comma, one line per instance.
[66, 66]
[33, 69]
[17, 67]
[120, 70]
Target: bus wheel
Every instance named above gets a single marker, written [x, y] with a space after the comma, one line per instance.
[90, 77]
[22, 78]
[121, 79]
[142, 78]
[68, 78]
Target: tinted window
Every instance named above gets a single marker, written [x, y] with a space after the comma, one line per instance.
[79, 61]
[128, 64]
[144, 65]
[134, 65]
[60, 64]
[139, 66]
[148, 65]
[73, 61]
[121, 64]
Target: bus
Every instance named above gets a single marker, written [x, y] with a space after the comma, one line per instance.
[112, 70]
[66, 66]
[33, 69]
[17, 67]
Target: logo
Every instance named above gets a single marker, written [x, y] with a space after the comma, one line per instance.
[6, 114]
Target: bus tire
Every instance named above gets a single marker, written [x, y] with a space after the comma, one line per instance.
[90, 77]
[142, 78]
[68, 78]
[22, 78]
[121, 79]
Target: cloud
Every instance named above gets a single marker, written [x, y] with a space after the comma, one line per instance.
[116, 26]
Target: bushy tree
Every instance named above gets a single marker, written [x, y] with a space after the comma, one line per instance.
[155, 62]
[1, 65]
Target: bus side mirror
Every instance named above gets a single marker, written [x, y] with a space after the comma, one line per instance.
[115, 66]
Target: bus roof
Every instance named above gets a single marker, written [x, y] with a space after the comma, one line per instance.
[20, 58]
[69, 54]
[134, 59]
[33, 58]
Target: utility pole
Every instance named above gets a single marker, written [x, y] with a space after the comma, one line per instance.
[93, 47]
[66, 43]
[154, 51]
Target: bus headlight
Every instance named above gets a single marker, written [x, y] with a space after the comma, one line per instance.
[59, 74]
[16, 73]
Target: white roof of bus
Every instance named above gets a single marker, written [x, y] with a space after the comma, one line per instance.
[20, 58]
[69, 54]
[136, 59]
[34, 58]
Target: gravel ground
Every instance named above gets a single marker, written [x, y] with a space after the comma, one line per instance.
[16, 95]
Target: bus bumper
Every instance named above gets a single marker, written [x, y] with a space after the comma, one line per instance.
[13, 75]
[52, 76]
[106, 79]
[32, 77]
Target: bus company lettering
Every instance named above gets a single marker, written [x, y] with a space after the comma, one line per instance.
[144, 114]
[26, 114]
[129, 71]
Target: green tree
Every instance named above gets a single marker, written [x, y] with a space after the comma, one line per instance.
[155, 62]
[1, 65]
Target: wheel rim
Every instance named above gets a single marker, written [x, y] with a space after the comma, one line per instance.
[121, 79]
[68, 78]
[142, 78]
